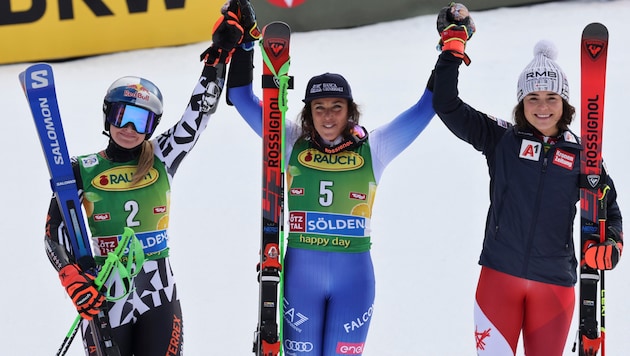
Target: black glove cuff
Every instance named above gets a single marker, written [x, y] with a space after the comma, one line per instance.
[431, 81]
[448, 56]
[241, 68]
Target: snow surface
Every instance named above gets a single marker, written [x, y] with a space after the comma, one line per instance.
[429, 213]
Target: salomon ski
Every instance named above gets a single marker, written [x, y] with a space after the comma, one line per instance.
[275, 83]
[593, 52]
[39, 87]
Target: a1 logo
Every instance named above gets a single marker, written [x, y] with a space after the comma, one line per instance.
[286, 3]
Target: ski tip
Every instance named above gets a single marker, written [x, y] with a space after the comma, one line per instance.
[277, 27]
[595, 28]
[37, 76]
[278, 23]
[595, 25]
[595, 42]
[39, 67]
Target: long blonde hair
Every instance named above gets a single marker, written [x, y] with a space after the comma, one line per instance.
[145, 162]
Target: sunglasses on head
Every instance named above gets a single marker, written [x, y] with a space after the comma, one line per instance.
[143, 120]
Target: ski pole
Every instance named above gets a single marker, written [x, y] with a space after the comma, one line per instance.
[136, 254]
[69, 337]
[603, 216]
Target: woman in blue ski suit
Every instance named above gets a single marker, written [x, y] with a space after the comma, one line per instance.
[528, 274]
[329, 277]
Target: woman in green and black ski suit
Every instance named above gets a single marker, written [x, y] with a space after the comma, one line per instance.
[128, 185]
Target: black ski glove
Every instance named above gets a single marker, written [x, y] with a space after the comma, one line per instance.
[226, 34]
[237, 25]
[248, 20]
[455, 27]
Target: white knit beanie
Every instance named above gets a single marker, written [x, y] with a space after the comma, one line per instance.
[542, 73]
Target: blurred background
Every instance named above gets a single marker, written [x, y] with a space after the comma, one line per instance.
[46, 30]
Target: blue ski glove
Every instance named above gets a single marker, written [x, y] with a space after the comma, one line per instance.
[604, 255]
[455, 27]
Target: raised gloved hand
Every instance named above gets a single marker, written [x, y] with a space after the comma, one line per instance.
[82, 290]
[455, 27]
[226, 34]
[604, 255]
[248, 21]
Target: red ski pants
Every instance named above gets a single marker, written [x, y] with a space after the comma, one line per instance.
[507, 305]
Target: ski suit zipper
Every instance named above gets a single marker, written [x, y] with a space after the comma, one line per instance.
[532, 227]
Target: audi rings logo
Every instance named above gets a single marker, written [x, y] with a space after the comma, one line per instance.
[301, 346]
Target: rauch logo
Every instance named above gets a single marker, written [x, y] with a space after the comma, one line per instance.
[343, 161]
[119, 179]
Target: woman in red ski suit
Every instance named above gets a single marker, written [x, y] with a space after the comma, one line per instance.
[528, 259]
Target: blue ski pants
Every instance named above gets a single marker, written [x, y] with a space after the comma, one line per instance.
[328, 302]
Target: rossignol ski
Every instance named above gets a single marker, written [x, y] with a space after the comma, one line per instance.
[39, 87]
[275, 82]
[593, 188]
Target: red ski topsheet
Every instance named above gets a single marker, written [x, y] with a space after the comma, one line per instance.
[593, 63]
[276, 45]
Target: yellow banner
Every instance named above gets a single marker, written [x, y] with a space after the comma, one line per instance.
[40, 30]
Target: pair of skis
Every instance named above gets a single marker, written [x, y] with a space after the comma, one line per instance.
[275, 82]
[39, 87]
[593, 198]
